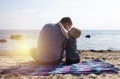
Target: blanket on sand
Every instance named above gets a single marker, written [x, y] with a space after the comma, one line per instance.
[88, 67]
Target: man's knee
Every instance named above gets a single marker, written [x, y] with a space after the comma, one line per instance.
[32, 52]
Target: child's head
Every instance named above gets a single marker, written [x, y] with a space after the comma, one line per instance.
[75, 32]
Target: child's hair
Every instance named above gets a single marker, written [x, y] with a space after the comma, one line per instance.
[75, 32]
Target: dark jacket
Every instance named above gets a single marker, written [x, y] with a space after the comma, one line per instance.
[71, 49]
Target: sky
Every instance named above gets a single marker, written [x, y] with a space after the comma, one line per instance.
[85, 14]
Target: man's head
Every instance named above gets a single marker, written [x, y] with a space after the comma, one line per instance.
[75, 32]
[66, 22]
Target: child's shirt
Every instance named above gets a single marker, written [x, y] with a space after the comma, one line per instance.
[71, 49]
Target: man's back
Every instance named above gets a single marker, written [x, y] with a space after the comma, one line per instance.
[50, 43]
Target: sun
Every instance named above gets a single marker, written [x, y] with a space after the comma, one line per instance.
[25, 45]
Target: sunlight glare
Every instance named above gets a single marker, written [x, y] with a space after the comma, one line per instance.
[25, 45]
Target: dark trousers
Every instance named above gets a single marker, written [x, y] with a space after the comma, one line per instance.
[77, 60]
[69, 61]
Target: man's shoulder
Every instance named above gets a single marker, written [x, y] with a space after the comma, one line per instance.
[49, 25]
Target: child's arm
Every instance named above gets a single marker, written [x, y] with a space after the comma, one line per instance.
[64, 31]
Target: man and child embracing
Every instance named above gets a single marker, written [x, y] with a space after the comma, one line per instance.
[56, 39]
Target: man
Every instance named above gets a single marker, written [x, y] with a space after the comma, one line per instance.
[50, 43]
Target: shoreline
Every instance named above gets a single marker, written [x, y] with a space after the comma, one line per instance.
[90, 50]
[100, 51]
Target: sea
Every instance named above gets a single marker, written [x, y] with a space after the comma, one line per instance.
[99, 40]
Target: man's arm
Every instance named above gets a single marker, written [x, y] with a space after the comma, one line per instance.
[64, 31]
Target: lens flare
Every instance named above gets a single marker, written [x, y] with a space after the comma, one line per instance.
[25, 45]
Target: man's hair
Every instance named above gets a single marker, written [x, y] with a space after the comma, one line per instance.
[75, 32]
[66, 20]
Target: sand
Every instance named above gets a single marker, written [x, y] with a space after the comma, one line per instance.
[12, 59]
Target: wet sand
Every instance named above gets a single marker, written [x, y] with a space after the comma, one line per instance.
[11, 59]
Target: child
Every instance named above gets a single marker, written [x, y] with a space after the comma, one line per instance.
[72, 54]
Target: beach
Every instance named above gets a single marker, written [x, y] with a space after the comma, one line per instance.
[12, 59]
[57, 28]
